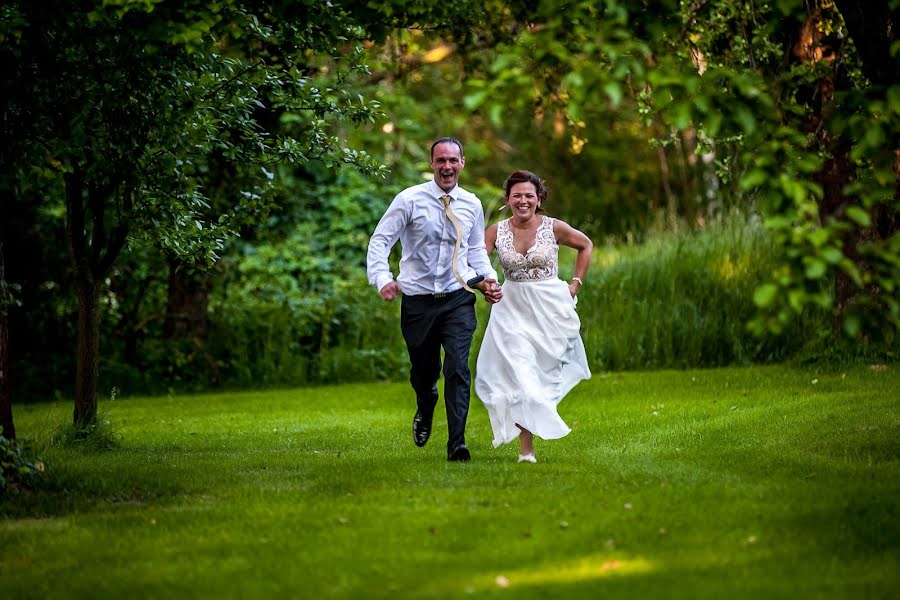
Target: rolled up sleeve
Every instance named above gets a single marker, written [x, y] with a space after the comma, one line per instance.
[386, 234]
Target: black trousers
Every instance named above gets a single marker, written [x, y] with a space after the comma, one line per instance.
[428, 324]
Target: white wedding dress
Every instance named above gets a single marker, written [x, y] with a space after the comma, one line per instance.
[532, 353]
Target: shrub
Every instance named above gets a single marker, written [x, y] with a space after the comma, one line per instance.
[19, 469]
[683, 300]
[98, 435]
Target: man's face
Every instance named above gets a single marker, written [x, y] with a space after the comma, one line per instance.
[447, 162]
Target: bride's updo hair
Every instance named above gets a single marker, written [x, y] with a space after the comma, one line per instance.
[523, 176]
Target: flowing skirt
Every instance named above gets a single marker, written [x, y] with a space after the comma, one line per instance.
[531, 356]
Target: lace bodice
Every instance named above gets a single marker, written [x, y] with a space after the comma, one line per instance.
[540, 262]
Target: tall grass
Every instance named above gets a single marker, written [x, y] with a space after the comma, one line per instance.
[683, 300]
[675, 300]
[348, 335]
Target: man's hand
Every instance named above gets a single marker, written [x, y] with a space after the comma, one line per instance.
[389, 291]
[491, 290]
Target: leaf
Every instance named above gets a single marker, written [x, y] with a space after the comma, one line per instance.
[495, 114]
[745, 119]
[815, 267]
[852, 326]
[765, 295]
[475, 99]
[893, 98]
[860, 216]
[777, 222]
[713, 123]
[832, 255]
[818, 237]
[753, 179]
[614, 92]
[681, 115]
[796, 299]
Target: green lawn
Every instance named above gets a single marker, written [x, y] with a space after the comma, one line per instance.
[758, 483]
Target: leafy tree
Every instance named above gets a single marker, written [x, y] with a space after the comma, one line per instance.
[796, 102]
[123, 103]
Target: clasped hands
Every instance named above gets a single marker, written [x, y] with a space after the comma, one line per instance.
[489, 287]
[491, 290]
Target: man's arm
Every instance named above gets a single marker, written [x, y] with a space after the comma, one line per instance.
[386, 234]
[481, 261]
[477, 253]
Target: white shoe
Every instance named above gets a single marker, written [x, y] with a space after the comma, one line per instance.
[527, 458]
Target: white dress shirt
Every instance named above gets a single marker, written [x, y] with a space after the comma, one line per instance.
[416, 217]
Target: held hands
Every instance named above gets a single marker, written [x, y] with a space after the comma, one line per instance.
[489, 287]
[491, 290]
[389, 291]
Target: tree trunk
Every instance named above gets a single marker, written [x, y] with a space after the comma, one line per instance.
[6, 415]
[92, 251]
[187, 308]
[872, 29]
[87, 376]
[187, 311]
[838, 172]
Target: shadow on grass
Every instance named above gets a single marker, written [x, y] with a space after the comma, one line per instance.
[82, 476]
[68, 488]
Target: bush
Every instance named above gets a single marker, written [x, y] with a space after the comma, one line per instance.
[19, 470]
[684, 300]
[97, 436]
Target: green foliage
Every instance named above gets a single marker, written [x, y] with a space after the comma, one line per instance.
[342, 333]
[18, 468]
[96, 436]
[159, 125]
[179, 89]
[298, 309]
[796, 120]
[682, 300]
[212, 132]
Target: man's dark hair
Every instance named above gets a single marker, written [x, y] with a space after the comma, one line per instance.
[447, 140]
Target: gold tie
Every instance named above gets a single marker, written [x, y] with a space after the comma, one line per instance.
[446, 200]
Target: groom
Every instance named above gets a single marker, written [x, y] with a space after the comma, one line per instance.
[441, 231]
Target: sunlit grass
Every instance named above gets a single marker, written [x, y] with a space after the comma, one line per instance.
[762, 482]
[568, 573]
[684, 300]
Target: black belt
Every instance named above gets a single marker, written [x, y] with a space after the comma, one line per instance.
[439, 296]
[471, 283]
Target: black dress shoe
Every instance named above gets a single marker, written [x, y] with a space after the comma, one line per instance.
[459, 454]
[421, 429]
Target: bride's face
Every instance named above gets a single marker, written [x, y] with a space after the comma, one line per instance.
[523, 200]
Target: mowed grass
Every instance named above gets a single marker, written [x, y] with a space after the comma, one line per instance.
[753, 482]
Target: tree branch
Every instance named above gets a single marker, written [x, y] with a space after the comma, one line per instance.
[98, 235]
[74, 216]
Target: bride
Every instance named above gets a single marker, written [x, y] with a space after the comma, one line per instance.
[532, 354]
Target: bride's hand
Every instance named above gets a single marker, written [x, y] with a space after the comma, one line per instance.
[491, 290]
[573, 288]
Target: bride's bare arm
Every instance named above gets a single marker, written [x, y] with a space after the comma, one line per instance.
[566, 235]
[490, 238]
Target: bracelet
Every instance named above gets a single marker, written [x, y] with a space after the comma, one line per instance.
[578, 279]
